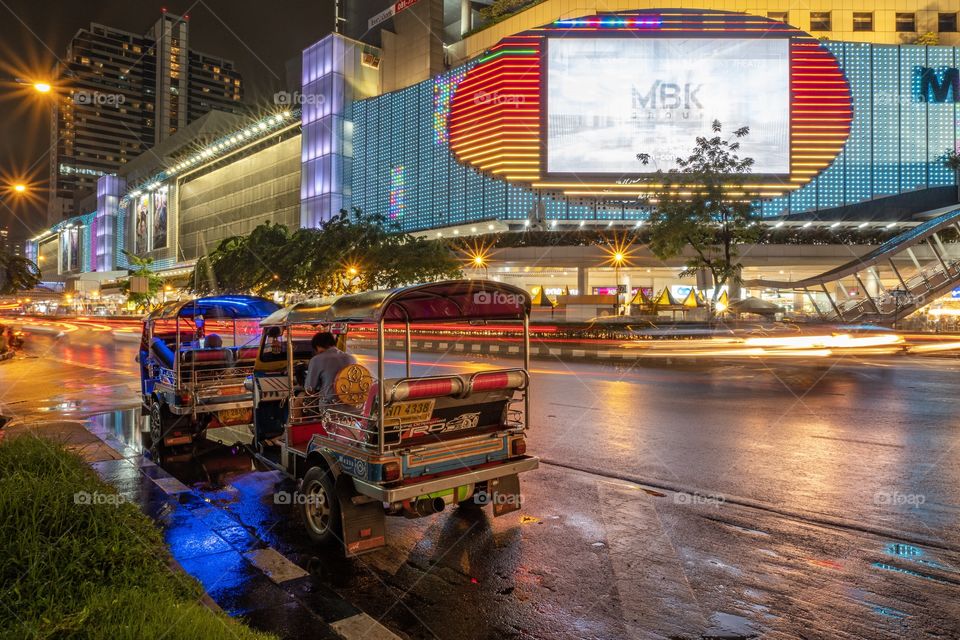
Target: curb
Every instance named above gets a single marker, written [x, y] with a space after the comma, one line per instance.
[278, 576]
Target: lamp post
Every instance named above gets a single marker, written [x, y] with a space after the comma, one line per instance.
[618, 259]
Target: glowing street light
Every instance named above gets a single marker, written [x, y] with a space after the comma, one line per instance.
[20, 188]
[618, 255]
[42, 87]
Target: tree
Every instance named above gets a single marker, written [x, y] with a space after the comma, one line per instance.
[929, 39]
[353, 251]
[951, 160]
[244, 263]
[142, 267]
[17, 273]
[705, 204]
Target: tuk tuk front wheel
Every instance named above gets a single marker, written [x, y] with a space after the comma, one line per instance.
[318, 505]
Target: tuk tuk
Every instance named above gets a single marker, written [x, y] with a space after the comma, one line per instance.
[405, 445]
[189, 384]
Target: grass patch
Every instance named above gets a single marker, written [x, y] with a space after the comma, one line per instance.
[87, 571]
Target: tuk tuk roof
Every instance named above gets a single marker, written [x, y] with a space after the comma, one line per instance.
[450, 300]
[233, 306]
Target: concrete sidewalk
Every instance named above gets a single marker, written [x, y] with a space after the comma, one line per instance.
[240, 573]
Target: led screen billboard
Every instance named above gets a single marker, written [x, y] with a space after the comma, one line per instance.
[608, 99]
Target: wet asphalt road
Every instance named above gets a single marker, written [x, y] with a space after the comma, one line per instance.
[815, 500]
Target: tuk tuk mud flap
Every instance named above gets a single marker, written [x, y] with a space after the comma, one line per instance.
[505, 494]
[364, 525]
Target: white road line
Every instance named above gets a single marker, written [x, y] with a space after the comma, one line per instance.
[362, 626]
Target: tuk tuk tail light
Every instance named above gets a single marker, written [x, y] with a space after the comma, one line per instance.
[391, 471]
[185, 398]
[519, 447]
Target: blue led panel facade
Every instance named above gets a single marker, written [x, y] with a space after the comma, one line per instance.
[898, 138]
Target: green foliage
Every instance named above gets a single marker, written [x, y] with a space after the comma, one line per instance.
[705, 204]
[17, 273]
[142, 267]
[951, 160]
[353, 251]
[69, 569]
[499, 11]
[929, 39]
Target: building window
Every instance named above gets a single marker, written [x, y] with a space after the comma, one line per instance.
[820, 21]
[947, 22]
[862, 21]
[906, 22]
[779, 16]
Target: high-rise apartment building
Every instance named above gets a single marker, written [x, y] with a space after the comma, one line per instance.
[123, 93]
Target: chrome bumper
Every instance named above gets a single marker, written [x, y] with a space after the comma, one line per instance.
[447, 482]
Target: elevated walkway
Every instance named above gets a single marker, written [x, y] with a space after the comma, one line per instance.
[920, 264]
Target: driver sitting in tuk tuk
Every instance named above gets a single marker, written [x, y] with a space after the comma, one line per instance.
[324, 366]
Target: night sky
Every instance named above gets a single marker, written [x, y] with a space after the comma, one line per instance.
[258, 36]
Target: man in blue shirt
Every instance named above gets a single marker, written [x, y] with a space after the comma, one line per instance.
[324, 366]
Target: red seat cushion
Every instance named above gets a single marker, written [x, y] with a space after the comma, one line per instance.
[247, 353]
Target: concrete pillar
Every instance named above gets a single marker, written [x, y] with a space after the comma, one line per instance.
[733, 290]
[873, 283]
[583, 281]
[466, 17]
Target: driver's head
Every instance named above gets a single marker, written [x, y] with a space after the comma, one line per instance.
[322, 341]
[214, 341]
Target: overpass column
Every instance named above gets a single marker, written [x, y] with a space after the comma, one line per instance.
[466, 19]
[582, 281]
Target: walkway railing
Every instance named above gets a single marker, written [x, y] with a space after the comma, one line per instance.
[920, 276]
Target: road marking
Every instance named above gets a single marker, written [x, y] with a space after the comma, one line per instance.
[637, 543]
[362, 626]
[275, 565]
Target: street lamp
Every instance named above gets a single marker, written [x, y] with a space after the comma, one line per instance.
[20, 188]
[42, 87]
[480, 262]
[618, 259]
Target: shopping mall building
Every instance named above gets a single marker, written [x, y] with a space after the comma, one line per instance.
[453, 127]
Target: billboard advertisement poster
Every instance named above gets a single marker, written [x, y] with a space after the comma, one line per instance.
[74, 235]
[64, 250]
[159, 236]
[608, 99]
[141, 225]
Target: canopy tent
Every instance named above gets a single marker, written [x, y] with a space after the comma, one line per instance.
[723, 301]
[541, 299]
[756, 306]
[691, 301]
[641, 299]
[665, 300]
[450, 300]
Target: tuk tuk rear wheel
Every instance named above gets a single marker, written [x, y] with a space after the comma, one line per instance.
[162, 421]
[318, 505]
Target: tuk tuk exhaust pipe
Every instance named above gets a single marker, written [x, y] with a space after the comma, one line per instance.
[425, 507]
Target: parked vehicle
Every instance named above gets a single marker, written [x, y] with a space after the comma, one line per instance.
[188, 384]
[410, 445]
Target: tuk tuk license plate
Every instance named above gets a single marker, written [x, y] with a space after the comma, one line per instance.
[410, 412]
[235, 416]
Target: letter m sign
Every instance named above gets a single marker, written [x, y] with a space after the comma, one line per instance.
[939, 88]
